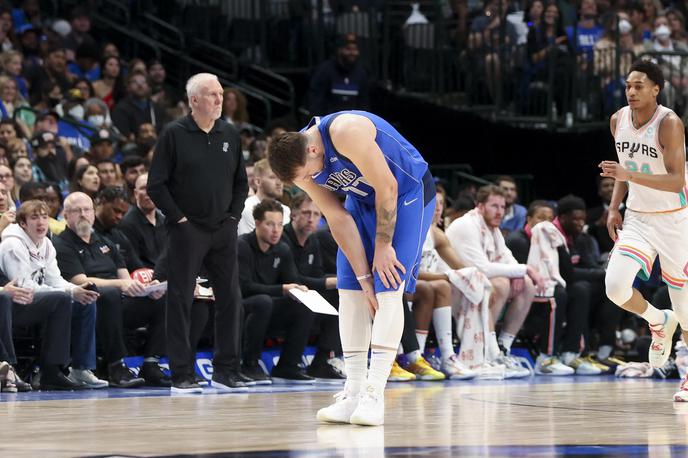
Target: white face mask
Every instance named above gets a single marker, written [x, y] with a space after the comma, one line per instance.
[662, 32]
[624, 26]
[97, 120]
[77, 112]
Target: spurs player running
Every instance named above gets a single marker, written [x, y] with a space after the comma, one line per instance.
[650, 143]
[380, 229]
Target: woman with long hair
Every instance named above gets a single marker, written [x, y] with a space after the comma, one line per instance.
[12, 66]
[110, 87]
[86, 180]
[234, 107]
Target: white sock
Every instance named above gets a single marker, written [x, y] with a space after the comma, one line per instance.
[653, 315]
[380, 364]
[422, 337]
[400, 350]
[442, 321]
[355, 365]
[413, 356]
[604, 351]
[491, 346]
[505, 340]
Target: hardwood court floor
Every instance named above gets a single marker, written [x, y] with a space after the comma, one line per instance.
[537, 417]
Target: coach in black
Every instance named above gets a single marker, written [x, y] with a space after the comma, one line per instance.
[198, 180]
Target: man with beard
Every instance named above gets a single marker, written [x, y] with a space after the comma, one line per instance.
[83, 256]
[50, 161]
[137, 108]
[340, 83]
[267, 186]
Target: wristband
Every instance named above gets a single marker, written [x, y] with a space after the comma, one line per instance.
[363, 277]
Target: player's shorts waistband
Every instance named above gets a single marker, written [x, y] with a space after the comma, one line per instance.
[659, 212]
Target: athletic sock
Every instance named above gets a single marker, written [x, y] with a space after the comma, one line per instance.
[604, 351]
[422, 337]
[442, 321]
[413, 356]
[355, 365]
[653, 315]
[505, 340]
[380, 364]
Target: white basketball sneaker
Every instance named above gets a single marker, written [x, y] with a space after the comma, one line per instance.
[456, 370]
[344, 405]
[662, 334]
[371, 407]
[550, 365]
[682, 394]
[514, 369]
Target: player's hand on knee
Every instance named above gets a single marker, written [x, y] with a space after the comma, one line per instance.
[517, 285]
[387, 266]
[614, 223]
[368, 288]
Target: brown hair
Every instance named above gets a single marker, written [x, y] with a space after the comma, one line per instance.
[287, 152]
[31, 207]
[264, 206]
[486, 191]
[298, 200]
[507, 178]
[241, 113]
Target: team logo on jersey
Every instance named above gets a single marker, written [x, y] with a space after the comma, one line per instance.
[225, 146]
[276, 263]
[650, 131]
[631, 148]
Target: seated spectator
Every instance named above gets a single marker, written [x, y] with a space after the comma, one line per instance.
[132, 167]
[50, 163]
[85, 86]
[7, 208]
[146, 138]
[137, 107]
[22, 170]
[597, 217]
[267, 274]
[519, 243]
[432, 301]
[514, 214]
[587, 32]
[27, 254]
[39, 191]
[477, 240]
[11, 101]
[267, 186]
[54, 68]
[122, 302]
[54, 200]
[71, 126]
[102, 148]
[74, 164]
[80, 23]
[108, 173]
[341, 82]
[304, 246]
[16, 148]
[9, 130]
[677, 24]
[7, 181]
[586, 292]
[110, 87]
[111, 206]
[144, 225]
[163, 93]
[85, 65]
[12, 67]
[234, 108]
[86, 180]
[48, 97]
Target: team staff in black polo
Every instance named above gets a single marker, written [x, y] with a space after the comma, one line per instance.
[198, 180]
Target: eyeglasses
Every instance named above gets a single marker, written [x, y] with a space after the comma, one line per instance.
[85, 210]
[5, 176]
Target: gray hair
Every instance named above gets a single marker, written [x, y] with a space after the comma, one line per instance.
[193, 85]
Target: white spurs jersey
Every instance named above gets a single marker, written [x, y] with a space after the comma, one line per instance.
[639, 150]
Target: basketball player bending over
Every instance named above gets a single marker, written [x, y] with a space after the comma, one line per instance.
[380, 229]
[650, 143]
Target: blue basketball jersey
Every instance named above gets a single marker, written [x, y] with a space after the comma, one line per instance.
[340, 175]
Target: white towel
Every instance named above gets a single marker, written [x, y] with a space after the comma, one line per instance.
[543, 254]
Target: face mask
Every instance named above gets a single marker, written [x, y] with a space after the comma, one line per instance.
[97, 120]
[77, 112]
[624, 26]
[662, 32]
[54, 101]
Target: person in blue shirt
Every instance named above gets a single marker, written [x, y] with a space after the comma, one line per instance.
[514, 214]
[380, 230]
[587, 32]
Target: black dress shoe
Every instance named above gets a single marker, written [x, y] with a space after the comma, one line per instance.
[228, 381]
[325, 371]
[120, 376]
[55, 379]
[290, 374]
[153, 374]
[246, 379]
[255, 372]
[186, 386]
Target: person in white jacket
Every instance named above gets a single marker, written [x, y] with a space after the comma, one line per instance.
[27, 256]
[478, 241]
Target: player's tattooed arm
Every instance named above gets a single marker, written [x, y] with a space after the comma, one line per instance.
[386, 222]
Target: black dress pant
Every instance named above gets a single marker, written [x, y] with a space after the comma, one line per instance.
[191, 247]
[296, 320]
[587, 302]
[53, 311]
[257, 311]
[328, 325]
[6, 344]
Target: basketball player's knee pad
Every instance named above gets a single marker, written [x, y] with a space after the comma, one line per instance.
[354, 321]
[679, 302]
[621, 272]
[389, 319]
